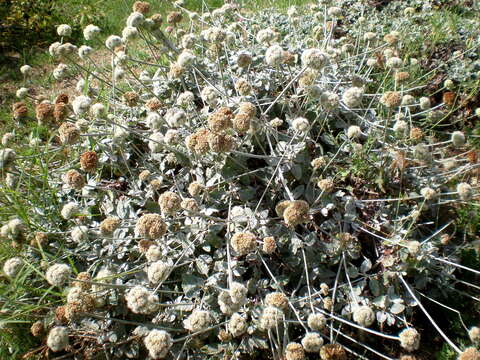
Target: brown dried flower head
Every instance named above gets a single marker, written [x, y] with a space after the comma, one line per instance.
[269, 245]
[169, 202]
[60, 111]
[44, 112]
[195, 188]
[175, 71]
[391, 39]
[153, 104]
[37, 329]
[142, 7]
[242, 122]
[69, 133]
[189, 204]
[88, 161]
[220, 143]
[416, 133]
[157, 20]
[151, 226]
[220, 120]
[198, 141]
[144, 245]
[84, 281]
[470, 353]
[20, 110]
[109, 225]
[74, 179]
[248, 108]
[294, 351]
[277, 299]
[174, 17]
[39, 240]
[281, 206]
[244, 243]
[333, 352]
[244, 60]
[131, 98]
[401, 76]
[61, 98]
[391, 99]
[296, 213]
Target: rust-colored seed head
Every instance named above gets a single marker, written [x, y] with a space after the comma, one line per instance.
[83, 276]
[296, 213]
[157, 19]
[244, 243]
[109, 225]
[248, 108]
[60, 314]
[220, 143]
[269, 245]
[74, 179]
[37, 329]
[169, 202]
[144, 245]
[198, 141]
[20, 110]
[449, 98]
[151, 226]
[401, 76]
[175, 71]
[131, 98]
[88, 161]
[416, 133]
[294, 351]
[220, 120]
[333, 352]
[142, 7]
[69, 133]
[391, 99]
[242, 122]
[62, 98]
[60, 111]
[288, 58]
[174, 17]
[153, 104]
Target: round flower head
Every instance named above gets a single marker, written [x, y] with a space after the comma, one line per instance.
[26, 70]
[244, 59]
[274, 55]
[151, 226]
[409, 339]
[220, 120]
[88, 161]
[185, 99]
[300, 124]
[352, 97]
[113, 41]
[458, 138]
[57, 339]
[175, 117]
[69, 133]
[44, 112]
[425, 103]
[12, 266]
[266, 36]
[269, 245]
[243, 87]
[195, 188]
[391, 99]
[135, 19]
[465, 191]
[58, 274]
[169, 202]
[354, 132]
[244, 243]
[364, 316]
[316, 321]
[314, 58]
[296, 213]
[277, 299]
[428, 193]
[186, 58]
[470, 353]
[69, 210]
[394, 62]
[64, 30]
[197, 321]
[238, 292]
[400, 128]
[333, 352]
[237, 325]
[81, 104]
[227, 306]
[74, 179]
[220, 143]
[158, 343]
[84, 51]
[294, 351]
[312, 342]
[209, 95]
[129, 33]
[141, 301]
[272, 317]
[60, 72]
[91, 32]
[474, 334]
[154, 253]
[7, 157]
[79, 234]
[158, 271]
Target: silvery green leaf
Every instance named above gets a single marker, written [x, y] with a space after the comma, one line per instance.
[191, 285]
[397, 308]
[365, 266]
[374, 286]
[203, 263]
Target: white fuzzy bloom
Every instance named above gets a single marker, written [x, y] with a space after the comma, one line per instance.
[197, 321]
[266, 36]
[300, 124]
[75, 295]
[64, 30]
[274, 55]
[80, 85]
[238, 292]
[371, 62]
[474, 334]
[69, 210]
[214, 35]
[364, 316]
[465, 191]
[413, 247]
[57, 339]
[425, 103]
[428, 193]
[388, 53]
[81, 104]
[84, 51]
[79, 233]
[26, 70]
[237, 325]
[129, 33]
[312, 342]
[186, 58]
[15, 227]
[188, 41]
[171, 137]
[120, 58]
[271, 317]
[141, 301]
[185, 99]
[156, 142]
[98, 111]
[314, 58]
[153, 253]
[394, 62]
[158, 271]
[154, 121]
[135, 19]
[7, 137]
[12, 266]
[60, 72]
[58, 274]
[113, 41]
[400, 128]
[209, 95]
[158, 343]
[329, 100]
[175, 117]
[409, 339]
[7, 156]
[408, 100]
[316, 321]
[458, 138]
[90, 32]
[120, 135]
[22, 93]
[352, 97]
[334, 11]
[368, 36]
[353, 132]
[53, 48]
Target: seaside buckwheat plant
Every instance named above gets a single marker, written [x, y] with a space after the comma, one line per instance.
[227, 184]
